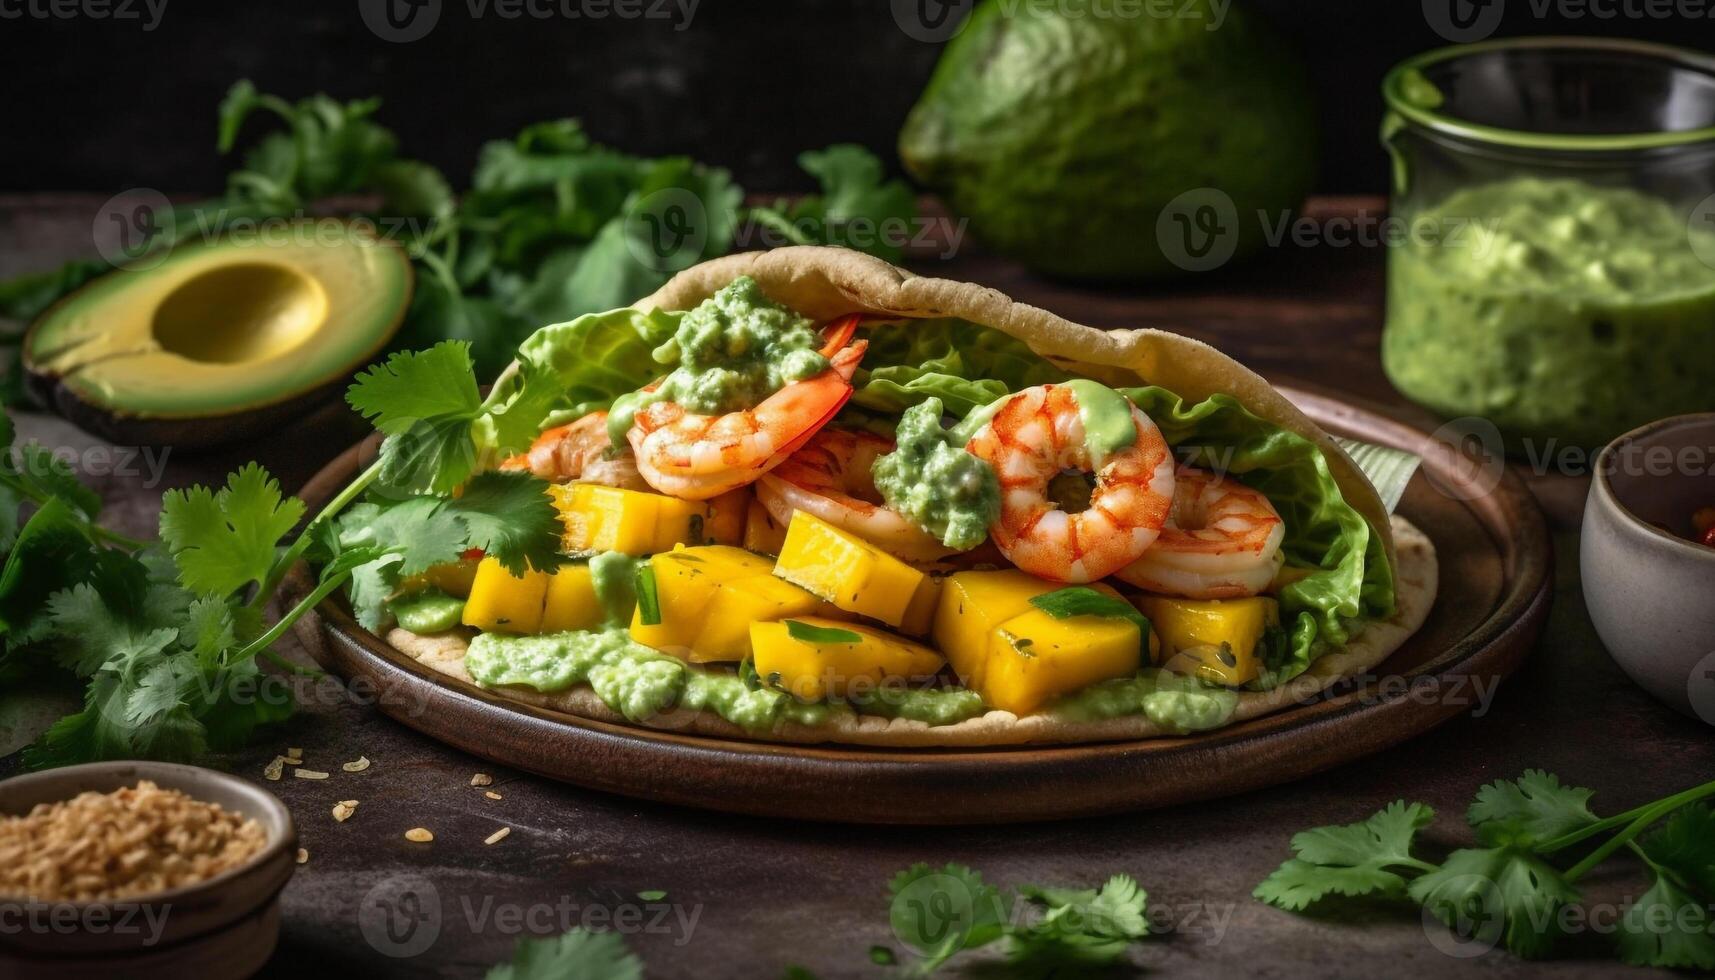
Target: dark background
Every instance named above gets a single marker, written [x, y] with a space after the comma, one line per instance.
[101, 105]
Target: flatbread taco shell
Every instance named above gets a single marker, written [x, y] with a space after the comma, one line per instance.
[824, 283]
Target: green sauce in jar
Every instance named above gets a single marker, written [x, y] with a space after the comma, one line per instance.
[1556, 309]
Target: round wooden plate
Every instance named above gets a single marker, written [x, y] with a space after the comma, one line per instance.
[1496, 567]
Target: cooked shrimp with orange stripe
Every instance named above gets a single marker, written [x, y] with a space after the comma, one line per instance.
[796, 512]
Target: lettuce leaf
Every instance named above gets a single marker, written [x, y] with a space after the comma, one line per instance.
[965, 365]
[595, 358]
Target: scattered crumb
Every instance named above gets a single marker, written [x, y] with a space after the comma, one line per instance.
[419, 835]
[294, 753]
[303, 855]
[491, 794]
[361, 764]
[482, 779]
[498, 835]
[275, 769]
[309, 774]
[291, 762]
[343, 810]
[653, 895]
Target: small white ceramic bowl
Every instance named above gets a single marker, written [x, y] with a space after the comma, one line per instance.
[224, 927]
[1650, 591]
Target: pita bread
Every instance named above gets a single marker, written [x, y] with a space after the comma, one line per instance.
[824, 283]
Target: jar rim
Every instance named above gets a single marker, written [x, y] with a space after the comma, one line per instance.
[1396, 85]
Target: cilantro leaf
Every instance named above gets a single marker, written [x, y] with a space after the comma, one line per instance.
[1501, 894]
[1685, 845]
[223, 541]
[93, 638]
[426, 402]
[1082, 927]
[40, 474]
[1355, 859]
[1532, 809]
[1081, 600]
[52, 552]
[941, 911]
[510, 516]
[1667, 927]
[581, 954]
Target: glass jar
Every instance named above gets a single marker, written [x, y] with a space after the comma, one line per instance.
[1555, 267]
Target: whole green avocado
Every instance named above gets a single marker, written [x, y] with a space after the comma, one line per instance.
[1062, 131]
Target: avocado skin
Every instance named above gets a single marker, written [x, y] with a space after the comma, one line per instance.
[1062, 137]
[189, 435]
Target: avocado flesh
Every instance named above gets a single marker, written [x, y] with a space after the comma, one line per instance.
[1062, 134]
[223, 327]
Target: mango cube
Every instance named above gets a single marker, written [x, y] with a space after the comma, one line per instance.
[599, 518]
[709, 596]
[1213, 639]
[847, 571]
[501, 602]
[814, 670]
[920, 614]
[571, 602]
[726, 520]
[971, 606]
[761, 531]
[1034, 658]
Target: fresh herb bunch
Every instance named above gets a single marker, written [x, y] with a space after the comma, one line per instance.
[165, 635]
[941, 912]
[1513, 888]
[576, 953]
[554, 225]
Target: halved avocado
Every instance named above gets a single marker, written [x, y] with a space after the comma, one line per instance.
[223, 339]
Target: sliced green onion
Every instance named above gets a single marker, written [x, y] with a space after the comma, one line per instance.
[648, 598]
[1081, 600]
[807, 633]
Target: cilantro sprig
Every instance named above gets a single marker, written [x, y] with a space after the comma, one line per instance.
[940, 912]
[1512, 889]
[166, 635]
[575, 953]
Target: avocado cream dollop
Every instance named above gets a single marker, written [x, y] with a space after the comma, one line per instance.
[934, 483]
[1178, 704]
[729, 353]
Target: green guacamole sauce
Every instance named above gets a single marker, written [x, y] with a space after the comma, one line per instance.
[732, 351]
[1553, 308]
[934, 483]
[429, 611]
[1178, 704]
[1106, 415]
[640, 683]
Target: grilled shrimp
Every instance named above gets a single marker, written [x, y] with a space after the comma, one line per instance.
[1035, 436]
[830, 478]
[1222, 541]
[580, 452]
[696, 457]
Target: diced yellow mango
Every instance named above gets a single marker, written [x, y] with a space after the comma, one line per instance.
[501, 602]
[813, 671]
[1215, 639]
[725, 635]
[1034, 657]
[726, 520]
[847, 571]
[761, 531]
[971, 606]
[572, 603]
[599, 518]
[708, 598]
[920, 615]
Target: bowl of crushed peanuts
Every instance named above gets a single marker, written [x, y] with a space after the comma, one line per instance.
[144, 868]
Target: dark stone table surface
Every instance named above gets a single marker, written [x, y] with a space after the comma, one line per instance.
[748, 897]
